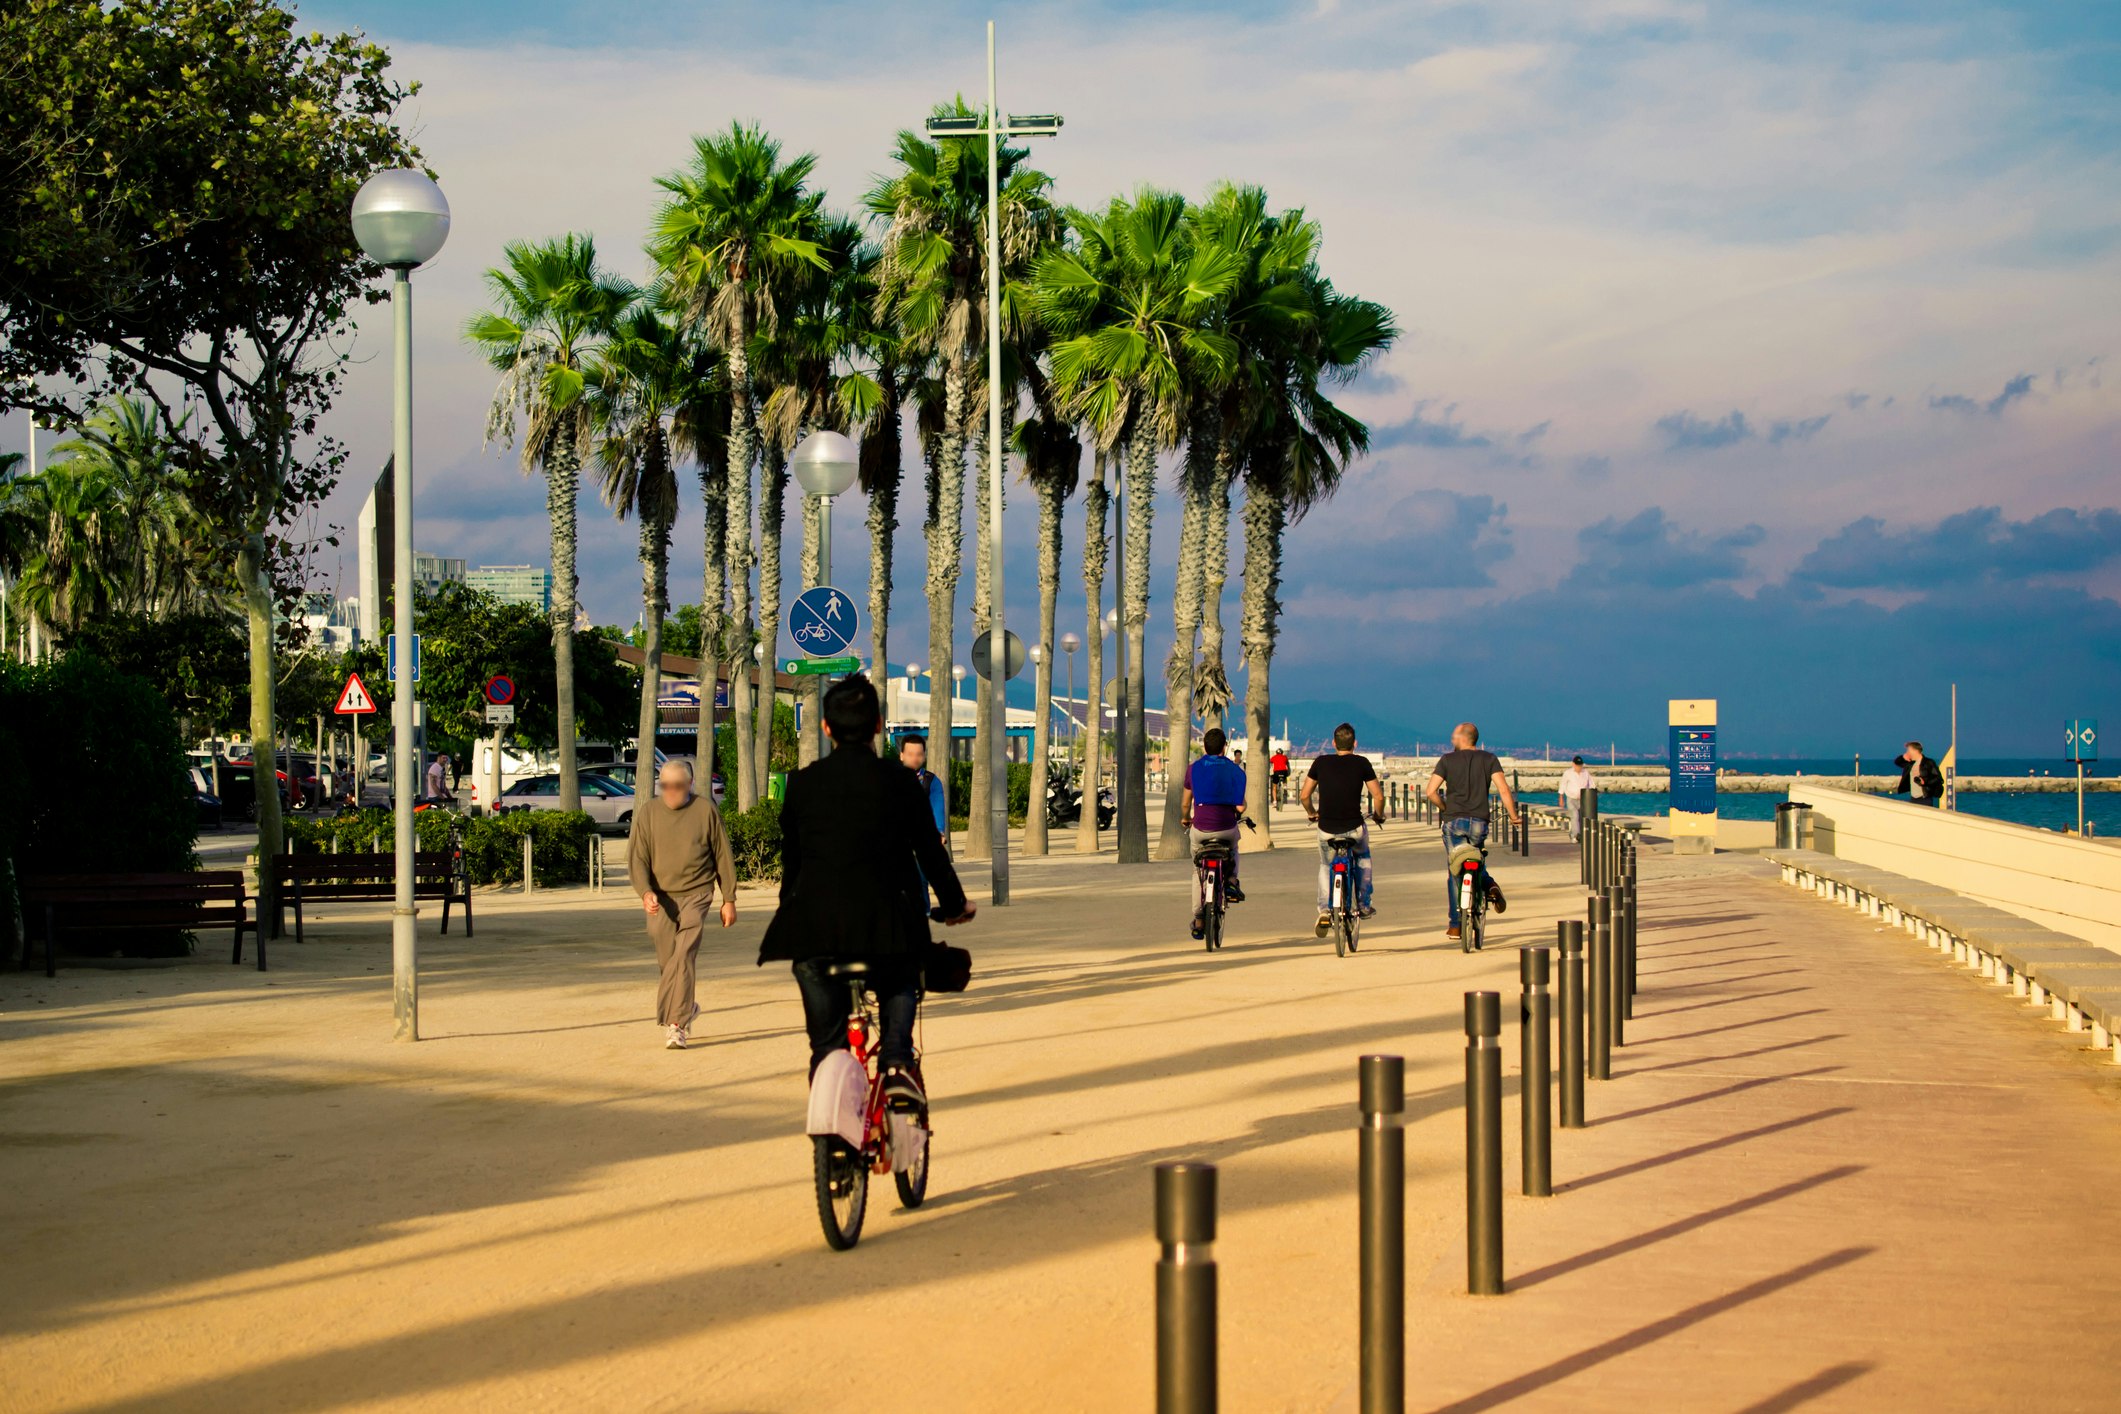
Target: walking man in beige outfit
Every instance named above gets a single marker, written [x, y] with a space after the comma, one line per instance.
[678, 860]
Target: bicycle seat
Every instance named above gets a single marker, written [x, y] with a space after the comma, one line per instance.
[1465, 854]
[1213, 849]
[853, 967]
[1344, 841]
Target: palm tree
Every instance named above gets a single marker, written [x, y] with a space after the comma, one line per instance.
[1130, 310]
[1053, 458]
[930, 285]
[739, 221]
[829, 311]
[1297, 447]
[641, 379]
[700, 431]
[553, 308]
[1268, 307]
[1097, 549]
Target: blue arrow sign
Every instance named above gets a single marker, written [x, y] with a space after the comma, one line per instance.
[822, 621]
[391, 640]
[2080, 738]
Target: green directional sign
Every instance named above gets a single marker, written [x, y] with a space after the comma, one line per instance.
[798, 667]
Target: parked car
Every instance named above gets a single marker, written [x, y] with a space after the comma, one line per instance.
[625, 771]
[202, 786]
[605, 801]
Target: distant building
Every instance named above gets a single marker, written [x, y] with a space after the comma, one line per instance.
[431, 572]
[512, 584]
[334, 625]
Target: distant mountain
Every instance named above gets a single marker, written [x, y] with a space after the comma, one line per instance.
[1312, 723]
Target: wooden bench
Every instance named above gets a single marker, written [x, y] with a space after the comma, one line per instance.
[2079, 983]
[111, 903]
[336, 878]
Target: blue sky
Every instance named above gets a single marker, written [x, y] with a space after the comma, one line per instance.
[1755, 351]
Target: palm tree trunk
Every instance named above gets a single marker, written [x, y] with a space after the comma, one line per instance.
[563, 465]
[1134, 616]
[714, 622]
[256, 587]
[1265, 516]
[1049, 553]
[979, 827]
[1178, 669]
[1211, 683]
[946, 531]
[742, 441]
[884, 480]
[773, 519]
[1096, 546]
[655, 600]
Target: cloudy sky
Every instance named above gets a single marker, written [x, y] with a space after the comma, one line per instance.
[1759, 351]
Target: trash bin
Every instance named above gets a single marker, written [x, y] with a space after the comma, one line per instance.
[1793, 821]
[777, 786]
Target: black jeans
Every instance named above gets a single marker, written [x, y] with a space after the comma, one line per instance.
[826, 1001]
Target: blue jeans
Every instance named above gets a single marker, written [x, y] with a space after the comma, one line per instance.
[1362, 867]
[1456, 833]
[826, 1000]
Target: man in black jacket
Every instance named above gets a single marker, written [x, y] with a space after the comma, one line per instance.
[1920, 779]
[856, 839]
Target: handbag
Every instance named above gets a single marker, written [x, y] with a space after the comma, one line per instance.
[946, 969]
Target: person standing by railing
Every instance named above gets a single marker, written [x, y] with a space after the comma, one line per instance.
[1574, 782]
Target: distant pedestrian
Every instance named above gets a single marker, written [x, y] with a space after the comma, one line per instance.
[1921, 780]
[438, 777]
[913, 755]
[1574, 782]
[678, 860]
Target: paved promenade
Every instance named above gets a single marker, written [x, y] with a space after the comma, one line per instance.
[1831, 1173]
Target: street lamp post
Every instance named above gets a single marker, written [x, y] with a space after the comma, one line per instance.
[1069, 643]
[995, 129]
[401, 218]
[824, 464]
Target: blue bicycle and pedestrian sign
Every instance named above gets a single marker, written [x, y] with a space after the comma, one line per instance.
[2080, 739]
[823, 622]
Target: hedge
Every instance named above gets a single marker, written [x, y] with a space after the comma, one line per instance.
[492, 844]
[755, 839]
[98, 783]
[961, 792]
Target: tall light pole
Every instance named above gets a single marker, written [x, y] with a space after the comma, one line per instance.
[824, 464]
[401, 219]
[995, 129]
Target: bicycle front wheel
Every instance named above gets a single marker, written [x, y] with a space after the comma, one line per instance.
[842, 1190]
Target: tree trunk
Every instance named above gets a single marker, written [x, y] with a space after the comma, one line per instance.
[979, 827]
[946, 530]
[883, 525]
[1265, 515]
[1096, 546]
[1174, 843]
[1134, 616]
[1049, 552]
[563, 465]
[655, 600]
[251, 578]
[773, 519]
[1211, 683]
[738, 539]
[714, 623]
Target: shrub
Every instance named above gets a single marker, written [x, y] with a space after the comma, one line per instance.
[99, 782]
[492, 845]
[961, 792]
[754, 839]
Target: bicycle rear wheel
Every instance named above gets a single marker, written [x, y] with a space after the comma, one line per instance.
[842, 1190]
[912, 1181]
[1211, 926]
[1343, 931]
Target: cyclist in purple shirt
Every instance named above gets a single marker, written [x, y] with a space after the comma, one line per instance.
[1213, 806]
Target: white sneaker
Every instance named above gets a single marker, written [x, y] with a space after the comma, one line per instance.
[675, 1040]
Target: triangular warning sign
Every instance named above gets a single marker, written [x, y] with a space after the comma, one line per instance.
[354, 698]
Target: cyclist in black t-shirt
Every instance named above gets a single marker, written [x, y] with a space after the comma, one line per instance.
[1464, 777]
[1332, 796]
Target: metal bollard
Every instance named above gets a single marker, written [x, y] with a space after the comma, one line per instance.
[1601, 991]
[1524, 834]
[1613, 911]
[1634, 922]
[529, 882]
[1535, 1018]
[1484, 1143]
[1571, 940]
[1383, 1182]
[1185, 1289]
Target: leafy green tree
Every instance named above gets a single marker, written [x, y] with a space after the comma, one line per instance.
[197, 661]
[553, 310]
[174, 182]
[1131, 308]
[737, 224]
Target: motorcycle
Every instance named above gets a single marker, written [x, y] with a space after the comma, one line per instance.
[1064, 805]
